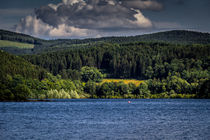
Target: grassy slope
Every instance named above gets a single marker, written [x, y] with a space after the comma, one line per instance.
[6, 43]
[126, 81]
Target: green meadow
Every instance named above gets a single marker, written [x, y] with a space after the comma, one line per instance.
[6, 43]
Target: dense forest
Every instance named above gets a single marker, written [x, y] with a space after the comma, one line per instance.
[174, 64]
[133, 60]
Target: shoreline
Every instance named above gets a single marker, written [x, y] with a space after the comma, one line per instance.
[57, 100]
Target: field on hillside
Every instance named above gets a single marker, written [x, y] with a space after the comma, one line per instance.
[5, 43]
[126, 81]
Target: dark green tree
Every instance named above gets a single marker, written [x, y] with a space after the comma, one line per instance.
[204, 90]
[91, 73]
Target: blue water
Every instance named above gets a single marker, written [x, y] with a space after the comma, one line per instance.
[106, 119]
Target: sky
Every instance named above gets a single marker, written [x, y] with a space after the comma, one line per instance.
[97, 18]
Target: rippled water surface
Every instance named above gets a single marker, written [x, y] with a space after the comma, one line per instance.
[106, 119]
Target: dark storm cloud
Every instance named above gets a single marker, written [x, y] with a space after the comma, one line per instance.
[91, 14]
[48, 15]
[90, 17]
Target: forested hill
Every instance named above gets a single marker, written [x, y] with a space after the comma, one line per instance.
[178, 36]
[12, 65]
[133, 60]
[175, 37]
[18, 37]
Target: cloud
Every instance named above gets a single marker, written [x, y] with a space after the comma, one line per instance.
[141, 21]
[88, 18]
[34, 26]
[143, 4]
[65, 30]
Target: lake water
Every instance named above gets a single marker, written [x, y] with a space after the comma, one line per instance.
[90, 119]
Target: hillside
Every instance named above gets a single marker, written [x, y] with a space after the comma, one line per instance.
[42, 46]
[6, 43]
[18, 37]
[132, 60]
[19, 79]
[177, 36]
[14, 65]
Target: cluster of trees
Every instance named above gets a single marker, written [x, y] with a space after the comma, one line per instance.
[53, 87]
[171, 87]
[20, 80]
[20, 89]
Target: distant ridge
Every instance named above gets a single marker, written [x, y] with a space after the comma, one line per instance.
[181, 37]
[19, 37]
[174, 36]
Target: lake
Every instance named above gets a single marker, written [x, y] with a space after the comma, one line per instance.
[98, 119]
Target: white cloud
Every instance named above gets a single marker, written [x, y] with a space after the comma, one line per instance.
[33, 26]
[141, 20]
[111, 2]
[65, 30]
[72, 2]
[54, 6]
